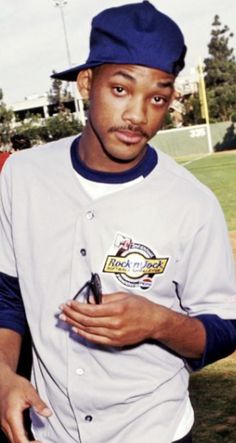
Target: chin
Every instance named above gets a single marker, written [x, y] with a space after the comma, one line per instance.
[125, 154]
[122, 160]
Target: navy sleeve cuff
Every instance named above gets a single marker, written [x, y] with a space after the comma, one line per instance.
[12, 312]
[220, 342]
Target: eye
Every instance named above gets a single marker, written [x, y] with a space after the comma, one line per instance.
[119, 90]
[159, 101]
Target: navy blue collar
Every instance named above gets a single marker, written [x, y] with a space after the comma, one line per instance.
[146, 165]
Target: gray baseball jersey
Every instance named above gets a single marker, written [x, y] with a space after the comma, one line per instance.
[165, 231]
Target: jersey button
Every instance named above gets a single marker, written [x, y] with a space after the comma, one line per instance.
[90, 215]
[83, 252]
[79, 371]
[88, 418]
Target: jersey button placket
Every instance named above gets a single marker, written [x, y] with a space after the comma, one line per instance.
[79, 371]
[90, 215]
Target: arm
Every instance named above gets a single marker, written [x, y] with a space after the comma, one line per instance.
[16, 392]
[125, 319]
[220, 341]
[10, 345]
[199, 340]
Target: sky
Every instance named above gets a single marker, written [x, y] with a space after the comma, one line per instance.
[32, 38]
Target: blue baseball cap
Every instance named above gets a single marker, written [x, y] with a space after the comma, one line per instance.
[136, 34]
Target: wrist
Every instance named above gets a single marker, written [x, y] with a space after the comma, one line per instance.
[160, 322]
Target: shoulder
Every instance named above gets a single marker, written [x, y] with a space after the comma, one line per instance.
[40, 157]
[181, 177]
[50, 149]
[181, 189]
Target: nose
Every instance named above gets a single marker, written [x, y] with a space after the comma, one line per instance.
[135, 111]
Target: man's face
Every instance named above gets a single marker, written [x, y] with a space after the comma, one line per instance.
[127, 106]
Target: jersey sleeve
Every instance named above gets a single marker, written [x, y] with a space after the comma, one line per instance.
[205, 274]
[12, 313]
[206, 286]
[220, 340]
[7, 256]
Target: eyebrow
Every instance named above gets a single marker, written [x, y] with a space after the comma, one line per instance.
[166, 84]
[160, 84]
[125, 75]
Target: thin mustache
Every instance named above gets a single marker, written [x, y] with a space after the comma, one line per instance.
[129, 128]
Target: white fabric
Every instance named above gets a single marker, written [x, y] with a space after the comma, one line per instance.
[135, 395]
[97, 190]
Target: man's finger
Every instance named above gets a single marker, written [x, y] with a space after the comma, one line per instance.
[39, 406]
[16, 430]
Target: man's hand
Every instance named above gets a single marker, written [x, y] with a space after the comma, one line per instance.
[121, 319]
[126, 319]
[16, 395]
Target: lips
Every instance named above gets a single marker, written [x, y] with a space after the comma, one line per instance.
[129, 137]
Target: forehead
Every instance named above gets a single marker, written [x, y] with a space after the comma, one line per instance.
[134, 73]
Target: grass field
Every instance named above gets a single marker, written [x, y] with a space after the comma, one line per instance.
[213, 390]
[213, 395]
[218, 171]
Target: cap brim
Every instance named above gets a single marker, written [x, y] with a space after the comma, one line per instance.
[70, 75]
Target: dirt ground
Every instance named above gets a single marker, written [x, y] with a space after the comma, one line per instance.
[232, 236]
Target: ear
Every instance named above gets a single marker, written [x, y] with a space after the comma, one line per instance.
[84, 81]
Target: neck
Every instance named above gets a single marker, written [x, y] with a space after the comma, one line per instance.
[144, 168]
[94, 155]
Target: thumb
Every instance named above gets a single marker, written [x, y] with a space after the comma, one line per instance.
[40, 406]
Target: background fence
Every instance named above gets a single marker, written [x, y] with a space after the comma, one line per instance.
[193, 140]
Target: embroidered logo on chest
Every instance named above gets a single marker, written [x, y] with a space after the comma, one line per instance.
[134, 264]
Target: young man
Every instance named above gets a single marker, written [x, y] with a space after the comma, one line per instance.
[111, 359]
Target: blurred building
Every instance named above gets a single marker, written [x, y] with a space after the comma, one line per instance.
[38, 105]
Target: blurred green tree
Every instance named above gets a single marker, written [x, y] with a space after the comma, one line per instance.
[40, 130]
[59, 94]
[6, 116]
[220, 73]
